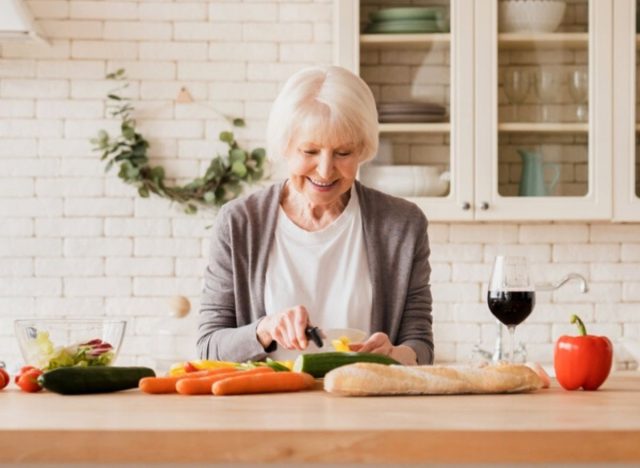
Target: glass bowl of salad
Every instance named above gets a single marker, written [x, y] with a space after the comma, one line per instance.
[51, 343]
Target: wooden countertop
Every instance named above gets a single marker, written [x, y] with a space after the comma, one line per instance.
[550, 425]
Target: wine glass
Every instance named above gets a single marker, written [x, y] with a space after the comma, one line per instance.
[579, 91]
[516, 87]
[511, 295]
[547, 85]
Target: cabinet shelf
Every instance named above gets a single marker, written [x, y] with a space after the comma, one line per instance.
[573, 40]
[440, 127]
[542, 127]
[579, 40]
[404, 40]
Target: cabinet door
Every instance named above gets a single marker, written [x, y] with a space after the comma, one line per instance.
[543, 109]
[417, 58]
[626, 111]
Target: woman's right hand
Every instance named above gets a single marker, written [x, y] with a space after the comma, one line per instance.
[286, 328]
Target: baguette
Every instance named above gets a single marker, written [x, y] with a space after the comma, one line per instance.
[364, 379]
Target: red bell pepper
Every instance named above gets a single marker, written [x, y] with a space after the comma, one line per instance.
[582, 361]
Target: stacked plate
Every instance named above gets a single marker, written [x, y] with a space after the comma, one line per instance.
[411, 112]
[408, 20]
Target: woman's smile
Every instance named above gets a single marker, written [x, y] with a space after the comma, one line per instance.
[322, 186]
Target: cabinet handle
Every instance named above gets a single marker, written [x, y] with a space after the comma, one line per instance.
[484, 206]
[465, 206]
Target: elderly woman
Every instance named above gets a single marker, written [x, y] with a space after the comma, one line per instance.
[319, 248]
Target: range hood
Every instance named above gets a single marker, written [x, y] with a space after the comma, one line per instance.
[16, 23]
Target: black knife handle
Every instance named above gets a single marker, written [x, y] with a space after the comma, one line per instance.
[314, 334]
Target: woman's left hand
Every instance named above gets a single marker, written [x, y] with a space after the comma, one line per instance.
[377, 343]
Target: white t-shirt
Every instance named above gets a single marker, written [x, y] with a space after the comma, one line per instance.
[326, 271]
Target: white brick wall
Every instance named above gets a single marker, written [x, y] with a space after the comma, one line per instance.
[74, 241]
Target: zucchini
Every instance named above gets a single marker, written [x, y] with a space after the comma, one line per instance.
[97, 379]
[319, 364]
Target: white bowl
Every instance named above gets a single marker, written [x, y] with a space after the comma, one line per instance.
[406, 181]
[530, 15]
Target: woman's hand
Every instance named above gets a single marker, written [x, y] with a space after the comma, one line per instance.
[286, 328]
[379, 343]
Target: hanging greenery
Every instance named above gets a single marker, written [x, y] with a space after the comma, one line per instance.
[222, 181]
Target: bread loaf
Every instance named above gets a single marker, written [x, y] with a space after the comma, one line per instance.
[363, 379]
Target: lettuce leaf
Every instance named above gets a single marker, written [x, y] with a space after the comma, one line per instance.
[51, 357]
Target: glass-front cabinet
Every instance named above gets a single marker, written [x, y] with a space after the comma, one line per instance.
[489, 109]
[543, 109]
[626, 95]
[417, 58]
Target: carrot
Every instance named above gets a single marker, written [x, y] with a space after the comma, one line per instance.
[202, 385]
[156, 385]
[263, 383]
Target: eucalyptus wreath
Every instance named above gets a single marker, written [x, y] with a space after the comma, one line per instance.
[222, 181]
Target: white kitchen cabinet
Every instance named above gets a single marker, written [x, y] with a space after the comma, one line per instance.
[571, 138]
[392, 66]
[492, 134]
[626, 137]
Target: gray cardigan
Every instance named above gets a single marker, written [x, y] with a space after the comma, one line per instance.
[397, 246]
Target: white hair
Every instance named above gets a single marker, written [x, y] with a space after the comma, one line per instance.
[329, 104]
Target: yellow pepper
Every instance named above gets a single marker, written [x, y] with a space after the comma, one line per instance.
[341, 345]
[179, 368]
[287, 364]
[203, 364]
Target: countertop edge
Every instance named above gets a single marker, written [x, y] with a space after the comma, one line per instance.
[338, 446]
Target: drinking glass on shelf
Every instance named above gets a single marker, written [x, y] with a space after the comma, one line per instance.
[547, 84]
[579, 91]
[511, 295]
[517, 82]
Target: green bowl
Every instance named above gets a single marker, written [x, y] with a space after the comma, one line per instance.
[406, 13]
[403, 26]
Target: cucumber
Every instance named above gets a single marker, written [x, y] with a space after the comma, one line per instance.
[319, 364]
[81, 380]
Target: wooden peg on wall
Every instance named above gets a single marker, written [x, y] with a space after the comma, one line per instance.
[184, 96]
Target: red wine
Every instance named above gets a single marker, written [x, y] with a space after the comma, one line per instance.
[511, 307]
